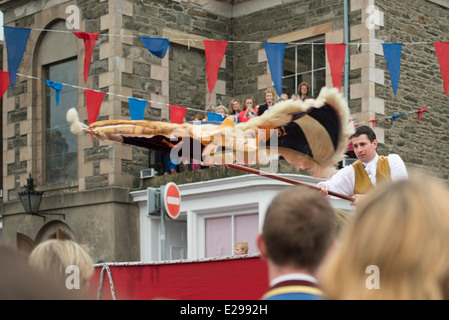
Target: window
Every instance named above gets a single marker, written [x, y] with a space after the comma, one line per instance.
[222, 233]
[304, 61]
[61, 161]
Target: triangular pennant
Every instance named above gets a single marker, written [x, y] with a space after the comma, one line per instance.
[214, 51]
[442, 50]
[89, 44]
[177, 114]
[137, 108]
[57, 86]
[392, 54]
[420, 112]
[93, 104]
[16, 40]
[275, 57]
[4, 82]
[212, 116]
[395, 116]
[373, 121]
[157, 46]
[336, 57]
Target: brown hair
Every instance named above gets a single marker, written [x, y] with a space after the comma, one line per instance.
[299, 228]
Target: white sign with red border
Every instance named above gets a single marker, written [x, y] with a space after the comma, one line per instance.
[172, 200]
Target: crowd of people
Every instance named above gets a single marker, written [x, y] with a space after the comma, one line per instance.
[393, 246]
[241, 111]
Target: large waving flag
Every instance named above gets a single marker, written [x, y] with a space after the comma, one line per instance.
[311, 134]
[89, 44]
[16, 40]
[392, 54]
[275, 56]
[214, 51]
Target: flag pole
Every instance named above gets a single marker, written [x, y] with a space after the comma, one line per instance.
[283, 179]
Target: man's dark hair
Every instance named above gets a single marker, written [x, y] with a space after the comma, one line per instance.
[299, 228]
[364, 130]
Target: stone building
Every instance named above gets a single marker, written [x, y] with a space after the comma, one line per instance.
[90, 181]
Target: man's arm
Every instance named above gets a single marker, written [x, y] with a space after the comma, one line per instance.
[341, 182]
[397, 167]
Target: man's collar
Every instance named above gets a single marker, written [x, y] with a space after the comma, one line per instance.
[372, 162]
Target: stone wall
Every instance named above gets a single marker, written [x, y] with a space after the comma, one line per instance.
[423, 145]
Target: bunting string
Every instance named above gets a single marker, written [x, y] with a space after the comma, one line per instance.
[229, 41]
[107, 93]
[16, 39]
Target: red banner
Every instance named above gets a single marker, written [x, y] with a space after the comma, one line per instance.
[177, 114]
[215, 51]
[93, 104]
[336, 58]
[89, 44]
[228, 279]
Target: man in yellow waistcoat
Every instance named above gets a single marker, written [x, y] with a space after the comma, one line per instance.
[369, 170]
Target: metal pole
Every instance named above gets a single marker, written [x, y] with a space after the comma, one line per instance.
[346, 39]
[162, 236]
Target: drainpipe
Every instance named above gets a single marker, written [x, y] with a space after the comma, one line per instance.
[346, 40]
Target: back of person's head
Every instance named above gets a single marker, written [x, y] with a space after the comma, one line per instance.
[400, 231]
[20, 281]
[299, 228]
[54, 256]
[364, 130]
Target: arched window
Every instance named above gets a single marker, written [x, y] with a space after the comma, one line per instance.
[57, 58]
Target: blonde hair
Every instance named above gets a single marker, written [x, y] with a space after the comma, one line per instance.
[402, 228]
[54, 256]
[231, 110]
[242, 245]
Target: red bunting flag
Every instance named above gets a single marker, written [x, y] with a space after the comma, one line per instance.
[442, 50]
[93, 104]
[420, 111]
[4, 82]
[177, 114]
[215, 51]
[336, 57]
[374, 122]
[89, 44]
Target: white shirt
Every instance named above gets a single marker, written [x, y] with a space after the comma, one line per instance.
[293, 276]
[343, 181]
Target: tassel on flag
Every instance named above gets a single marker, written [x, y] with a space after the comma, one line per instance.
[177, 114]
[373, 121]
[58, 88]
[392, 54]
[275, 56]
[214, 51]
[396, 116]
[16, 40]
[137, 108]
[420, 112]
[157, 46]
[336, 58]
[89, 44]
